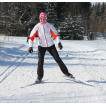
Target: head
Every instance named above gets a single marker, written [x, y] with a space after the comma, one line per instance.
[43, 17]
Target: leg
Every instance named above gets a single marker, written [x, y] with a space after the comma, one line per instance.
[52, 50]
[41, 53]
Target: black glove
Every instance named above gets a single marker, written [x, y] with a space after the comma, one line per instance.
[60, 46]
[30, 50]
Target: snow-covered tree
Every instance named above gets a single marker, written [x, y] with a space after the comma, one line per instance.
[17, 17]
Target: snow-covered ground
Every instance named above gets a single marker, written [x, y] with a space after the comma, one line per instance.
[86, 61]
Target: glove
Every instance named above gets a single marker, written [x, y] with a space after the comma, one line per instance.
[30, 50]
[60, 46]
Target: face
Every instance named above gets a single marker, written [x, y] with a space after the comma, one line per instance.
[43, 20]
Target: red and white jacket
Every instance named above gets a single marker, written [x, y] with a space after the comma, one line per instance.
[44, 33]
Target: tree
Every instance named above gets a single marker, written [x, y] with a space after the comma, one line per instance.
[67, 17]
[17, 17]
[102, 9]
[85, 8]
[75, 18]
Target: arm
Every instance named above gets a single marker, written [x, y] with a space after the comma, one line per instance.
[31, 39]
[32, 36]
[55, 34]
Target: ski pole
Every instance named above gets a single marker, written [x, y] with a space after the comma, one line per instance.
[65, 54]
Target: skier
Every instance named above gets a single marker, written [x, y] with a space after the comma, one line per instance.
[45, 31]
[29, 30]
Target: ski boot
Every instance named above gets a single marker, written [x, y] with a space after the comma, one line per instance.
[70, 76]
[38, 81]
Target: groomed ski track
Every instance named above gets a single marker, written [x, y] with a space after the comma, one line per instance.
[86, 61]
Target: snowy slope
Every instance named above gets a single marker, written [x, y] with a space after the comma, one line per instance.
[86, 61]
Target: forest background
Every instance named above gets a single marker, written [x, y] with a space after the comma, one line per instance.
[73, 20]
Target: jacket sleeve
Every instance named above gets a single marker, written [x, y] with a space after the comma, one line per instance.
[32, 36]
[54, 33]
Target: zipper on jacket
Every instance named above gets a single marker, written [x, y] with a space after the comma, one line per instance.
[45, 36]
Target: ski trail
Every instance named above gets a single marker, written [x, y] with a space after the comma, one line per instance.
[17, 49]
[92, 56]
[16, 63]
[90, 62]
[85, 62]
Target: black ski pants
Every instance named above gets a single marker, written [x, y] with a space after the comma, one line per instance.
[52, 50]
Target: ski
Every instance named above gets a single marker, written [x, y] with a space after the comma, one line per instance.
[34, 83]
[83, 82]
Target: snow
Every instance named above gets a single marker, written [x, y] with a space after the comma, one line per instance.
[86, 61]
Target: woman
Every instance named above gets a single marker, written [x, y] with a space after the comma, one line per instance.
[45, 31]
[29, 30]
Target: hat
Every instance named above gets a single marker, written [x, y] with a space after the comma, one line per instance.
[43, 15]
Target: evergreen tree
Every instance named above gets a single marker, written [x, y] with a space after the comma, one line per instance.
[85, 8]
[67, 17]
[102, 10]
